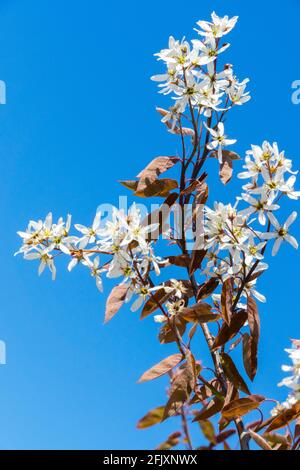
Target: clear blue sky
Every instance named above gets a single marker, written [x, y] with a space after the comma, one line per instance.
[79, 116]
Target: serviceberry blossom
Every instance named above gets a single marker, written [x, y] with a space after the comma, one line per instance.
[292, 381]
[220, 264]
[219, 140]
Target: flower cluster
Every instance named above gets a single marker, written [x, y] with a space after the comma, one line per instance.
[239, 233]
[194, 81]
[125, 239]
[293, 381]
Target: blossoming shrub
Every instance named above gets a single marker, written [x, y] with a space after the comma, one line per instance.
[216, 293]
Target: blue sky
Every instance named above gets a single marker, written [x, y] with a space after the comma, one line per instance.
[80, 115]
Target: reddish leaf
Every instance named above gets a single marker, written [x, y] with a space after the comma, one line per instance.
[115, 301]
[130, 184]
[247, 355]
[157, 188]
[225, 171]
[155, 168]
[213, 407]
[260, 441]
[182, 261]
[161, 368]
[207, 288]
[152, 304]
[167, 332]
[241, 406]
[226, 300]
[227, 332]
[200, 312]
[183, 383]
[233, 374]
[254, 325]
[285, 417]
[152, 417]
[172, 441]
[196, 260]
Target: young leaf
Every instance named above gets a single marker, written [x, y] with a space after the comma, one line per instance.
[130, 184]
[157, 188]
[254, 326]
[260, 441]
[115, 301]
[247, 355]
[285, 417]
[155, 168]
[172, 441]
[241, 406]
[161, 368]
[233, 374]
[227, 332]
[200, 312]
[182, 261]
[152, 417]
[225, 171]
[152, 304]
[196, 260]
[226, 300]
[214, 406]
[207, 288]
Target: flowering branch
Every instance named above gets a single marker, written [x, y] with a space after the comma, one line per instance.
[222, 251]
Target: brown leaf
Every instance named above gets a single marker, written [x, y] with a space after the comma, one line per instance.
[208, 431]
[195, 184]
[226, 300]
[224, 435]
[233, 374]
[228, 154]
[184, 381]
[167, 332]
[241, 406]
[196, 260]
[260, 441]
[214, 406]
[152, 417]
[254, 326]
[130, 184]
[172, 441]
[284, 418]
[161, 368]
[247, 355]
[225, 171]
[200, 312]
[155, 168]
[157, 188]
[182, 261]
[207, 288]
[115, 301]
[227, 332]
[152, 304]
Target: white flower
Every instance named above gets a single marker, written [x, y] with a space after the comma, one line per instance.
[45, 260]
[260, 206]
[95, 270]
[208, 49]
[281, 232]
[218, 27]
[90, 233]
[219, 140]
[292, 382]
